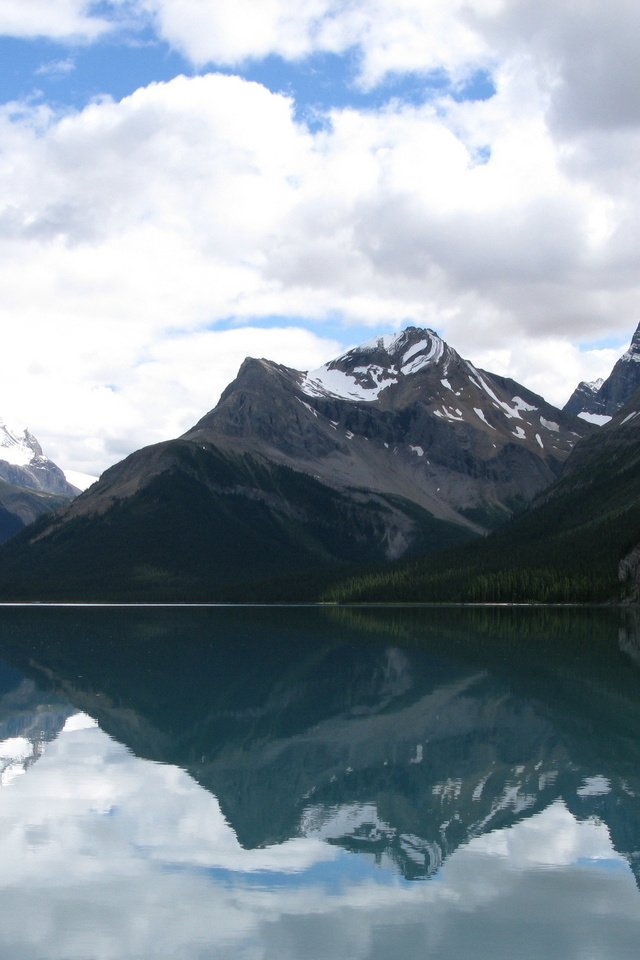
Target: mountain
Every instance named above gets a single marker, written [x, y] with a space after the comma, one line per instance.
[397, 448]
[30, 484]
[402, 414]
[578, 541]
[598, 402]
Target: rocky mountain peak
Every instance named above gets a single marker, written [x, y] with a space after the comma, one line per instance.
[363, 372]
[398, 349]
[601, 400]
[633, 353]
[17, 445]
[23, 463]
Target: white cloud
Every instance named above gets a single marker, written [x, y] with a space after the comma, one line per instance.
[398, 36]
[56, 69]
[585, 51]
[547, 367]
[129, 230]
[56, 19]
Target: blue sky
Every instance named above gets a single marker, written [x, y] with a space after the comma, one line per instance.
[72, 74]
[185, 182]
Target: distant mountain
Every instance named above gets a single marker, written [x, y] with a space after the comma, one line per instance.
[578, 541]
[30, 484]
[598, 402]
[399, 447]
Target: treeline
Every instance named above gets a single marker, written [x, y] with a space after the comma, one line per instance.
[423, 585]
[562, 552]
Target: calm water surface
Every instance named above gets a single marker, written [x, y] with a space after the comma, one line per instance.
[304, 784]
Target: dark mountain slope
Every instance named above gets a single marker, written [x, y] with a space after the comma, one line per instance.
[568, 546]
[20, 506]
[203, 523]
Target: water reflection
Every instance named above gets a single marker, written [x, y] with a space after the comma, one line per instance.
[274, 783]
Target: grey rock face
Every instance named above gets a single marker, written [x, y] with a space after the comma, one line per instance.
[403, 414]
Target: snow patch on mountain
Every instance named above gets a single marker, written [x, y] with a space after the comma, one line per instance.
[512, 412]
[365, 382]
[387, 342]
[336, 383]
[434, 348]
[598, 418]
[549, 425]
[630, 416]
[480, 413]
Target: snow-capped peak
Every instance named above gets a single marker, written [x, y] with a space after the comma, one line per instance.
[365, 371]
[17, 445]
[23, 463]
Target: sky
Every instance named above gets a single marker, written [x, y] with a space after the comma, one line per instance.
[184, 183]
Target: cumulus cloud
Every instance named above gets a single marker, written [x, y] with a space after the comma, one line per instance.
[56, 19]
[129, 231]
[129, 226]
[390, 37]
[583, 49]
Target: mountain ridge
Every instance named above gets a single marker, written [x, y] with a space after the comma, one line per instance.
[396, 448]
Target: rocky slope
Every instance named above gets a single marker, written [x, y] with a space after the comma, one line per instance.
[398, 447]
[402, 414]
[578, 541]
[598, 402]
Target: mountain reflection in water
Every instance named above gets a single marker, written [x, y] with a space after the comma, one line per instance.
[343, 754]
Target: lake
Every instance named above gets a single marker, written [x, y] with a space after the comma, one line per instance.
[319, 783]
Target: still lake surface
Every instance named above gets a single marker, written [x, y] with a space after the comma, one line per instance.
[319, 784]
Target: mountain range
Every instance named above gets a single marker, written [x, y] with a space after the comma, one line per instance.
[395, 450]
